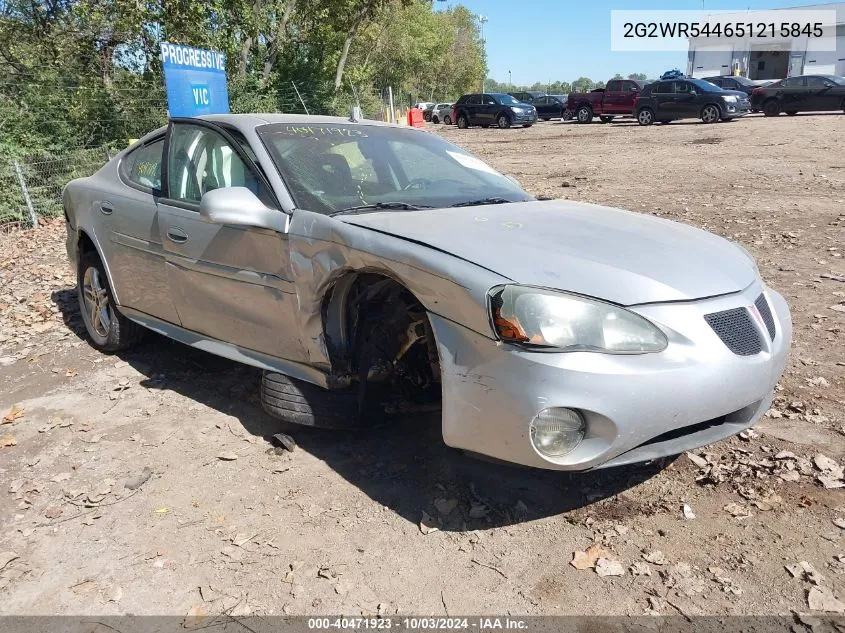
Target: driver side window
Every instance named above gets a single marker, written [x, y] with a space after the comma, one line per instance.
[200, 160]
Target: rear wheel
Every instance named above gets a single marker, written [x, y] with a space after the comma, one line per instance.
[302, 403]
[710, 114]
[503, 121]
[435, 119]
[645, 116]
[771, 108]
[606, 119]
[426, 116]
[447, 120]
[463, 122]
[584, 114]
[108, 330]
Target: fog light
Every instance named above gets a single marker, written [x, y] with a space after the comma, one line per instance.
[557, 432]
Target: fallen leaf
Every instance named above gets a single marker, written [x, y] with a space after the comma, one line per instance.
[8, 440]
[822, 599]
[70, 373]
[53, 512]
[15, 413]
[195, 617]
[608, 567]
[589, 557]
[136, 481]
[655, 558]
[697, 460]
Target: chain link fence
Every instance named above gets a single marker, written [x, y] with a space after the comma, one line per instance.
[31, 186]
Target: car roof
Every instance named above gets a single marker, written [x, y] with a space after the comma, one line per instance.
[253, 120]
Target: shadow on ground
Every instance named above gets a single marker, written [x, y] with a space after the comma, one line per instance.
[401, 462]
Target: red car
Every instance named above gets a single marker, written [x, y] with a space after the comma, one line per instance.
[616, 99]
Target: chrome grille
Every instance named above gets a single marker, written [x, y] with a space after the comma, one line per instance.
[766, 314]
[736, 329]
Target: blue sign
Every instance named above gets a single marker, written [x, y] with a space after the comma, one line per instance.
[195, 80]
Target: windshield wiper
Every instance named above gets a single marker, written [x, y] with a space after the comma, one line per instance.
[401, 206]
[475, 203]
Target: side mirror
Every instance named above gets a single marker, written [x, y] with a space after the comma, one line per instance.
[240, 207]
[693, 92]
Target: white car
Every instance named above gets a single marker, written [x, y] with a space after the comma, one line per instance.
[442, 113]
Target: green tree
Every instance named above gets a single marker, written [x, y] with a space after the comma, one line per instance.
[638, 76]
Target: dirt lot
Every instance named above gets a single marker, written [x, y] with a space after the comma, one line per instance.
[224, 522]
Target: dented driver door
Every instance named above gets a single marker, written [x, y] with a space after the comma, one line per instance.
[230, 283]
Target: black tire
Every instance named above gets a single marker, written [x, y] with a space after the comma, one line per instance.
[121, 333]
[645, 116]
[606, 119]
[527, 124]
[427, 116]
[566, 115]
[463, 121]
[791, 112]
[771, 108]
[447, 120]
[584, 114]
[710, 113]
[503, 121]
[302, 403]
[546, 118]
[435, 120]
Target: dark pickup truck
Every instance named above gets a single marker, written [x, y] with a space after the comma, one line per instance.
[616, 99]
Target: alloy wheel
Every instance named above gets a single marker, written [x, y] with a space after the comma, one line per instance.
[710, 114]
[95, 296]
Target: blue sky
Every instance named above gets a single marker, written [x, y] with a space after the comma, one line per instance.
[546, 40]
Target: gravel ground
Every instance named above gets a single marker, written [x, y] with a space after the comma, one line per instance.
[144, 483]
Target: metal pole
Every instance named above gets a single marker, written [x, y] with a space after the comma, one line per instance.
[304, 107]
[32, 217]
[391, 117]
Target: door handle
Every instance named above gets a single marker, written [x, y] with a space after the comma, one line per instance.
[177, 235]
[106, 208]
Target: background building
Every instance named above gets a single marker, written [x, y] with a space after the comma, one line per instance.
[775, 59]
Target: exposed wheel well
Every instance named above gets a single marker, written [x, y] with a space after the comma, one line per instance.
[85, 244]
[378, 332]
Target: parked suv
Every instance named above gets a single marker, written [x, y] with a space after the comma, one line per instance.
[527, 97]
[687, 98]
[493, 108]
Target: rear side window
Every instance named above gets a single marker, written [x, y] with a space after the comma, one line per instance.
[142, 166]
[613, 86]
[664, 87]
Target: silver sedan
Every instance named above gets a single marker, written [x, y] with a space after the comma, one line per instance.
[442, 113]
[372, 269]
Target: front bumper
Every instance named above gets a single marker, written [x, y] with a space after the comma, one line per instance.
[637, 407]
[524, 119]
[731, 111]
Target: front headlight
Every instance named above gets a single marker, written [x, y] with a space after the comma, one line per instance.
[730, 98]
[541, 318]
[517, 110]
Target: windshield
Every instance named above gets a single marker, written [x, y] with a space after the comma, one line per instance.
[506, 100]
[332, 167]
[705, 86]
[745, 81]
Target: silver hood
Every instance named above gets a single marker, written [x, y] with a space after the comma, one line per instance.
[620, 256]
